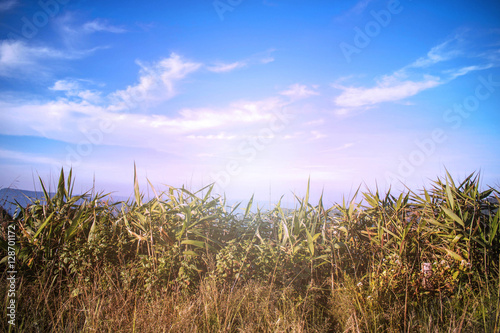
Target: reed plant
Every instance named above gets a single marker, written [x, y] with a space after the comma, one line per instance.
[185, 261]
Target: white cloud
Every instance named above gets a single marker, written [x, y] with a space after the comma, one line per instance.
[465, 70]
[315, 122]
[409, 80]
[65, 85]
[220, 136]
[255, 59]
[156, 82]
[237, 113]
[299, 91]
[267, 60]
[442, 52]
[73, 88]
[360, 6]
[221, 68]
[68, 120]
[16, 53]
[315, 135]
[17, 57]
[99, 25]
[385, 91]
[343, 147]
[7, 5]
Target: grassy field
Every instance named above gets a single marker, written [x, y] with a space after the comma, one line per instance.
[185, 262]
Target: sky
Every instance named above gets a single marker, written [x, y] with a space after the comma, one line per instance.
[255, 96]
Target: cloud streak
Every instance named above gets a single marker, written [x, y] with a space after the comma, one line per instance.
[299, 91]
[99, 25]
[17, 58]
[156, 82]
[7, 5]
[409, 80]
[352, 97]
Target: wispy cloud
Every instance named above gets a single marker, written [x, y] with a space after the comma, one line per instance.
[411, 79]
[357, 9]
[299, 91]
[439, 53]
[238, 113]
[315, 135]
[18, 58]
[65, 85]
[156, 82]
[360, 6]
[255, 59]
[219, 136]
[466, 70]
[99, 25]
[7, 5]
[77, 34]
[315, 122]
[73, 88]
[221, 68]
[385, 91]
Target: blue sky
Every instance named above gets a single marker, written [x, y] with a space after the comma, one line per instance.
[256, 96]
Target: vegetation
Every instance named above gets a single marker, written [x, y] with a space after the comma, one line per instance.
[185, 262]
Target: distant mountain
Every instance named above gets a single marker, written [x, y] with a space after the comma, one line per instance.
[9, 197]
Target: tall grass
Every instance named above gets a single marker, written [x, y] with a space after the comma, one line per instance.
[185, 262]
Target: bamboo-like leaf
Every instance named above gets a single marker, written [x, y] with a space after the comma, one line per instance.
[494, 224]
[156, 195]
[370, 199]
[137, 194]
[456, 238]
[196, 243]
[139, 237]
[453, 216]
[286, 233]
[391, 233]
[436, 223]
[45, 193]
[61, 190]
[399, 202]
[452, 254]
[249, 206]
[450, 196]
[310, 243]
[70, 232]
[427, 197]
[44, 224]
